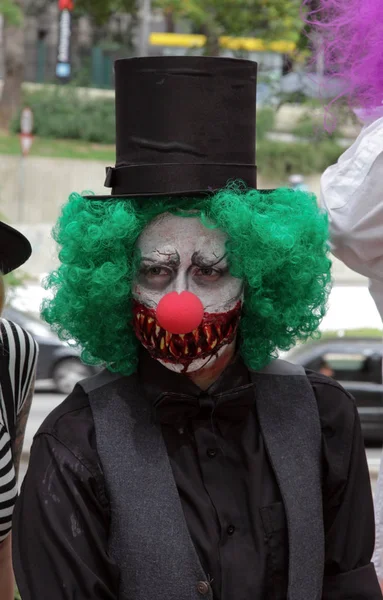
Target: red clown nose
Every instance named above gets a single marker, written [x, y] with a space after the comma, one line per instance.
[179, 313]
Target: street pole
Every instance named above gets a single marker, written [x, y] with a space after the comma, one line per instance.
[20, 212]
[26, 139]
[63, 64]
[144, 33]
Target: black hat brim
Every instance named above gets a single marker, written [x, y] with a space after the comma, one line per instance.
[180, 194]
[15, 249]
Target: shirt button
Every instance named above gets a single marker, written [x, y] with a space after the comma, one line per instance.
[203, 588]
[212, 452]
[230, 530]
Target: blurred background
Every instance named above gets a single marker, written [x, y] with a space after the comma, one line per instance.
[57, 135]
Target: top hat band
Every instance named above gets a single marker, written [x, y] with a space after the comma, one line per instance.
[175, 178]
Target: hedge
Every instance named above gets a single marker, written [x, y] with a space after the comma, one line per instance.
[312, 129]
[278, 159]
[63, 113]
[265, 122]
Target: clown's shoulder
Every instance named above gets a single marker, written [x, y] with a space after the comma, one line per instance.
[337, 410]
[73, 405]
[326, 388]
[69, 425]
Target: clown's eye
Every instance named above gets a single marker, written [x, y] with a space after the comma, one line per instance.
[207, 274]
[157, 272]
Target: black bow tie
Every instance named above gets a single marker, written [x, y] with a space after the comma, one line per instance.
[172, 408]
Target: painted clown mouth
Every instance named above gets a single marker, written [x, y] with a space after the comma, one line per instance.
[215, 331]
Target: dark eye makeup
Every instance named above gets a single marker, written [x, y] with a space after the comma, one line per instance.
[150, 270]
[200, 273]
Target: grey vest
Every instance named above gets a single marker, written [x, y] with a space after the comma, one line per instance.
[149, 539]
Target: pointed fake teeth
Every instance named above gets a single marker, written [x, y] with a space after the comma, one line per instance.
[199, 341]
[209, 336]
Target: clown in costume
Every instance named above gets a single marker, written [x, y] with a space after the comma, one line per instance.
[352, 32]
[196, 464]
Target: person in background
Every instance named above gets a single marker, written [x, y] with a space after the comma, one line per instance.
[325, 369]
[18, 356]
[352, 189]
[297, 182]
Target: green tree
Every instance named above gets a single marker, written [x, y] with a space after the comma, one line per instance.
[108, 39]
[102, 10]
[271, 19]
[14, 13]
[10, 12]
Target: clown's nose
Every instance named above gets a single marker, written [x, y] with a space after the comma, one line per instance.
[179, 313]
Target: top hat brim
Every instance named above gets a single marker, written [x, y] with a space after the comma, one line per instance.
[188, 194]
[15, 249]
[180, 194]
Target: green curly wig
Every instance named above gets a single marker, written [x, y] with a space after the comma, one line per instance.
[277, 244]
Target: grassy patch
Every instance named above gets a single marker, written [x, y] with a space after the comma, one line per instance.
[53, 148]
[363, 333]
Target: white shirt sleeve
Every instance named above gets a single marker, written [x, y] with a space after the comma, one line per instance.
[376, 290]
[352, 195]
[377, 558]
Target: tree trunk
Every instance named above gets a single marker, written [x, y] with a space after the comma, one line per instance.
[169, 21]
[14, 58]
[212, 47]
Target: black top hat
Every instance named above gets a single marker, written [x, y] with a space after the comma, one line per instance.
[14, 248]
[185, 125]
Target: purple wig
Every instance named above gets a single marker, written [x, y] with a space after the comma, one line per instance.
[352, 34]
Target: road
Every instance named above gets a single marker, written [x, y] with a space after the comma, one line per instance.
[45, 402]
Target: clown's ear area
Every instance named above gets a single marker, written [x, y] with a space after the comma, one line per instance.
[348, 36]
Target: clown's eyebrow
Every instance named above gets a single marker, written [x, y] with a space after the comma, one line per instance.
[200, 260]
[171, 259]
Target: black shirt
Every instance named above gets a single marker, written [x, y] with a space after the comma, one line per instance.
[230, 498]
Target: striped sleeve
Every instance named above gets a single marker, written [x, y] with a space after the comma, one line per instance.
[20, 353]
[18, 357]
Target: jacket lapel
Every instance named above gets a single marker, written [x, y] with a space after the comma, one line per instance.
[289, 420]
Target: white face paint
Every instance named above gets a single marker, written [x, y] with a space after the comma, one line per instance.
[178, 254]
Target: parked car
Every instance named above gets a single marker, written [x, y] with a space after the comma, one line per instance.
[357, 364]
[58, 361]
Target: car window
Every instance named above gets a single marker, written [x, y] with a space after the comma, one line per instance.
[30, 322]
[352, 366]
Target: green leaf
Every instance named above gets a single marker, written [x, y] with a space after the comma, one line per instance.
[101, 10]
[271, 19]
[11, 13]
